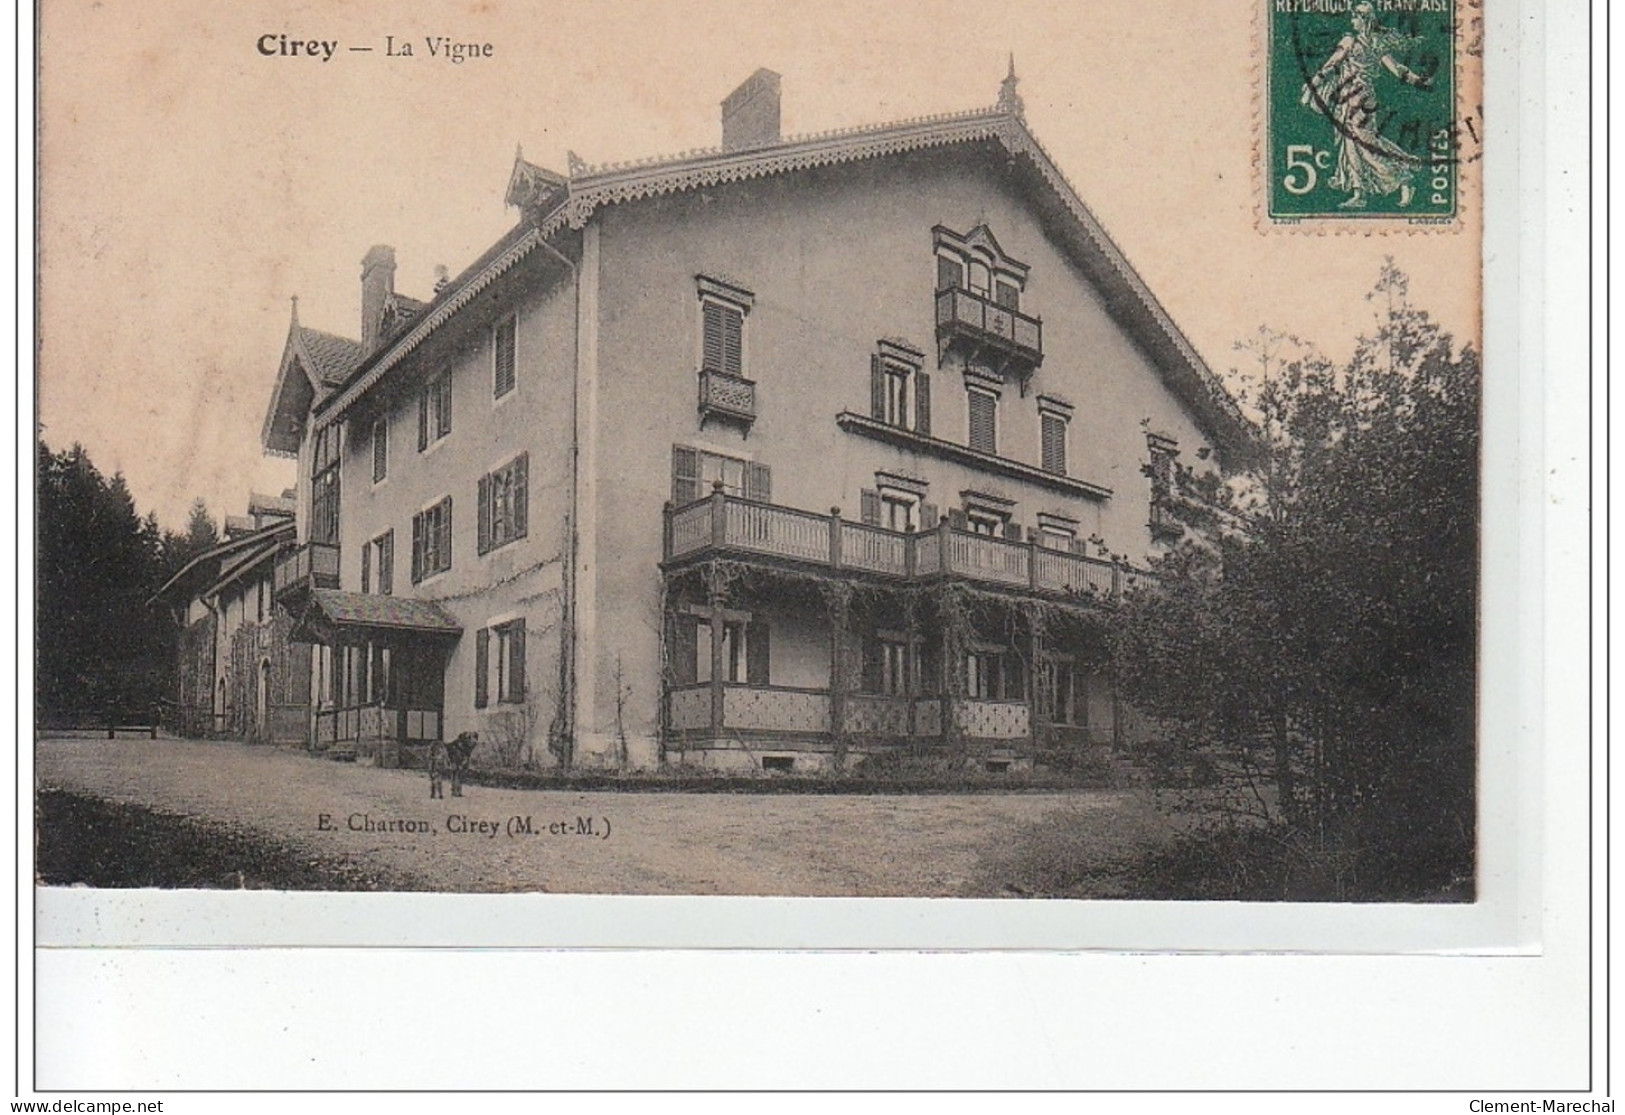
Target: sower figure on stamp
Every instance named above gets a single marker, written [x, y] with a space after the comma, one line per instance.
[453, 756]
[1344, 89]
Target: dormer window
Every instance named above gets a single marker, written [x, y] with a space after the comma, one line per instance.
[979, 292]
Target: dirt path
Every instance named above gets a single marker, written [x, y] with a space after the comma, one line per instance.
[595, 843]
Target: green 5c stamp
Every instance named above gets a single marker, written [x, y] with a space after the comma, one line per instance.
[1361, 110]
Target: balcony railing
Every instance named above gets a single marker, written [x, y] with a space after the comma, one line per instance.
[781, 709]
[727, 524]
[312, 565]
[727, 396]
[964, 315]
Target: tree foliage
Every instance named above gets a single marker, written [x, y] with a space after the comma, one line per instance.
[101, 650]
[1314, 631]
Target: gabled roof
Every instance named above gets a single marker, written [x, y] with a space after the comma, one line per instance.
[552, 203]
[314, 365]
[216, 565]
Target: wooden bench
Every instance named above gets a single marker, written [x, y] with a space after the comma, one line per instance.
[150, 729]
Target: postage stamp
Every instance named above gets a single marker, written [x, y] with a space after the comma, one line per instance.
[1361, 108]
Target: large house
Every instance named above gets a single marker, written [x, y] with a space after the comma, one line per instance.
[774, 456]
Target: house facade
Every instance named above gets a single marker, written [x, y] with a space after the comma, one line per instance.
[784, 455]
[240, 673]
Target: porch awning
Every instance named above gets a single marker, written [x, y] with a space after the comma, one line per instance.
[362, 611]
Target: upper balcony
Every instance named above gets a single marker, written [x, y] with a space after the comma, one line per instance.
[727, 397]
[312, 565]
[986, 332]
[724, 525]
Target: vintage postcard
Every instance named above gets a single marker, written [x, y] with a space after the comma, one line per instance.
[690, 450]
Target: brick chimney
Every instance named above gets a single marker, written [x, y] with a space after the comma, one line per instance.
[377, 284]
[750, 114]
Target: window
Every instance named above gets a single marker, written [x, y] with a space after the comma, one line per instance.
[899, 389]
[1054, 419]
[505, 642]
[434, 411]
[975, 262]
[746, 649]
[723, 307]
[324, 487]
[384, 544]
[897, 502]
[992, 675]
[504, 496]
[502, 358]
[380, 449]
[888, 667]
[982, 523]
[984, 420]
[988, 514]
[380, 552]
[1164, 475]
[1061, 693]
[431, 541]
[695, 473]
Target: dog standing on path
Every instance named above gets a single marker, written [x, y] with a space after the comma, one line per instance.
[451, 756]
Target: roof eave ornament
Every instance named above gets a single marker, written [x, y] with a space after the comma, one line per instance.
[1009, 100]
[531, 187]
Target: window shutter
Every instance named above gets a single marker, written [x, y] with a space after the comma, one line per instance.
[733, 342]
[484, 543]
[983, 422]
[928, 516]
[869, 506]
[516, 668]
[445, 405]
[1006, 295]
[957, 519]
[950, 273]
[922, 403]
[1054, 439]
[521, 495]
[482, 667]
[1078, 545]
[758, 482]
[423, 419]
[504, 358]
[380, 450]
[711, 358]
[366, 567]
[723, 347]
[1012, 532]
[386, 563]
[685, 475]
[877, 389]
[417, 548]
[444, 546]
[758, 655]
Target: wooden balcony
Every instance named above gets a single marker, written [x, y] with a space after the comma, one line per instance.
[724, 525]
[726, 397]
[312, 565]
[987, 331]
